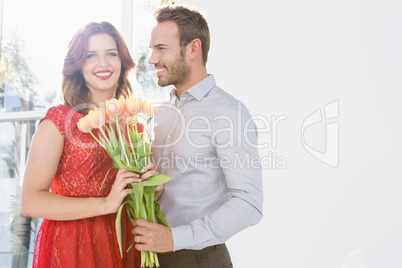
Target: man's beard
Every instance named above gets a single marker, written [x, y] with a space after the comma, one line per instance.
[176, 74]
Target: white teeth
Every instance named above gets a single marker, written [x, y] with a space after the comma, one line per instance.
[103, 74]
[160, 70]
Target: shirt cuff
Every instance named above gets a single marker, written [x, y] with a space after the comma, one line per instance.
[182, 237]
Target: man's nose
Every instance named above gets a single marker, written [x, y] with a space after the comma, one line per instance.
[153, 59]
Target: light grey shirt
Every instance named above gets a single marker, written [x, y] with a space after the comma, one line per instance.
[206, 141]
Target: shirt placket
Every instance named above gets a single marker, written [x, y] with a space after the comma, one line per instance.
[168, 159]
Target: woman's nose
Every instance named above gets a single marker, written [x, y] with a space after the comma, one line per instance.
[103, 61]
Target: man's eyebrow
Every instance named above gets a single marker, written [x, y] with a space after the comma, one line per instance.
[158, 45]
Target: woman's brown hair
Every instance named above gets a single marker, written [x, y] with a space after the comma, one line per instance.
[74, 89]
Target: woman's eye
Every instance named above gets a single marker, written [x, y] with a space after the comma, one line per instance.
[113, 54]
[90, 56]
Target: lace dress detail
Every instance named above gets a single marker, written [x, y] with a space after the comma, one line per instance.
[89, 242]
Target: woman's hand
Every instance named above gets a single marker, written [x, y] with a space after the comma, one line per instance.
[149, 171]
[119, 191]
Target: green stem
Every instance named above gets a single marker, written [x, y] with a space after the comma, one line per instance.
[143, 258]
[107, 127]
[131, 145]
[156, 260]
[151, 258]
[143, 142]
[96, 139]
[121, 139]
[104, 135]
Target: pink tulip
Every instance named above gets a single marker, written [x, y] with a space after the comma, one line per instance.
[114, 106]
[83, 125]
[125, 113]
[111, 119]
[134, 105]
[95, 118]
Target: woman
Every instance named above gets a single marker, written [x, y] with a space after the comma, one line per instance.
[78, 229]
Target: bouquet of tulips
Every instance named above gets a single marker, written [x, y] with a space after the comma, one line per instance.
[129, 148]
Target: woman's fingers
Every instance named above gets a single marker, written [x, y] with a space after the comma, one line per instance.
[149, 166]
[119, 191]
[149, 174]
[149, 171]
[123, 175]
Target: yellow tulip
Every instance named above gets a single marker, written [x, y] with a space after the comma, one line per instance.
[83, 125]
[134, 105]
[148, 109]
[95, 118]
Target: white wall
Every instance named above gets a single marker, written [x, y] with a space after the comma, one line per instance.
[294, 57]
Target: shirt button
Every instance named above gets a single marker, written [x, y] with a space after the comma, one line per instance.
[169, 137]
[165, 165]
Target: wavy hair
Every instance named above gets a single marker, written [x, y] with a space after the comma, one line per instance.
[74, 89]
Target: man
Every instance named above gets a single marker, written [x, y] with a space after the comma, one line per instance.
[204, 139]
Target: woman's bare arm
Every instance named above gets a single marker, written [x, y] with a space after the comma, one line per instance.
[37, 201]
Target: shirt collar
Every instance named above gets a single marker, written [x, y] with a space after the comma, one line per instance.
[198, 91]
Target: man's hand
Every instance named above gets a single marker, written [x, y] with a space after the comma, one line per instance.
[152, 236]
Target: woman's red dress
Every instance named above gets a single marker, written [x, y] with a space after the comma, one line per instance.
[89, 242]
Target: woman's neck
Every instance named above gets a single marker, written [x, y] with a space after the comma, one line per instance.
[100, 99]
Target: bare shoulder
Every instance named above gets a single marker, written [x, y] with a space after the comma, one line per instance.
[47, 143]
[47, 131]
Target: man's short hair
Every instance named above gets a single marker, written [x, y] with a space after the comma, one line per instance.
[191, 25]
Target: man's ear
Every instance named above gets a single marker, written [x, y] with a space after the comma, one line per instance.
[195, 48]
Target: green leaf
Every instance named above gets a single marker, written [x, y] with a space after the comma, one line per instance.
[112, 137]
[138, 195]
[157, 180]
[159, 214]
[130, 207]
[145, 154]
[109, 149]
[117, 164]
[103, 141]
[125, 151]
[134, 169]
[149, 193]
[135, 139]
[140, 148]
[105, 178]
[130, 246]
[147, 146]
[118, 228]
